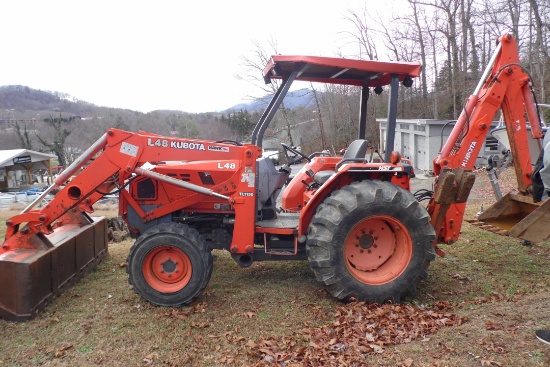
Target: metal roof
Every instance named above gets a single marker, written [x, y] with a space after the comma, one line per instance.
[338, 70]
[7, 156]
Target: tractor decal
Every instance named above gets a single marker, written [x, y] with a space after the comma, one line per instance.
[216, 148]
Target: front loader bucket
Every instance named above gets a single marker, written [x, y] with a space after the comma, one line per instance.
[520, 217]
[32, 276]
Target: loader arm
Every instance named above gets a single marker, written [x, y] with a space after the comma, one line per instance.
[505, 86]
[48, 249]
[118, 156]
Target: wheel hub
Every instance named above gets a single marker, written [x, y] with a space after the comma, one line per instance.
[366, 241]
[377, 249]
[370, 244]
[167, 268]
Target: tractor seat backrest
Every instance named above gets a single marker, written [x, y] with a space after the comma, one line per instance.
[356, 150]
[355, 153]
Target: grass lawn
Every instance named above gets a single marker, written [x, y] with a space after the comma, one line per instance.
[255, 316]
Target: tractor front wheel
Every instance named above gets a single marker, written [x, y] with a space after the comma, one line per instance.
[169, 265]
[371, 241]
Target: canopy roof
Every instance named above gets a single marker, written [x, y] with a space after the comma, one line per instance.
[339, 71]
[17, 157]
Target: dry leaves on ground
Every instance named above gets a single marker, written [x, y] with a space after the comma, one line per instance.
[358, 329]
[182, 313]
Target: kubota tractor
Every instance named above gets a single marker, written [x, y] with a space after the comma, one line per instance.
[355, 222]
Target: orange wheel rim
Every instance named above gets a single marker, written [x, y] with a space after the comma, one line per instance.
[167, 269]
[378, 250]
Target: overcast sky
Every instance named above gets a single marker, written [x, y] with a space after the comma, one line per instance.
[180, 55]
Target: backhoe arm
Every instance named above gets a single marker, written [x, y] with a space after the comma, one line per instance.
[505, 85]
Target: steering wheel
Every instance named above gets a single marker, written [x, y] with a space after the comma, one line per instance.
[290, 161]
[230, 142]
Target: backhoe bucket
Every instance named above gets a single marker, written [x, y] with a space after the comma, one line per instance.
[518, 216]
[33, 274]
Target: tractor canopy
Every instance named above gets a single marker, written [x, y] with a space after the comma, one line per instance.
[362, 73]
[339, 71]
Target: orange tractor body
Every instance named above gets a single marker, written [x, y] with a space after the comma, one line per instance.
[363, 233]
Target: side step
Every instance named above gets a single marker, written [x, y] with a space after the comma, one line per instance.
[520, 216]
[32, 277]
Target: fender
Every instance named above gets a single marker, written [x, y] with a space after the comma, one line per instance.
[345, 176]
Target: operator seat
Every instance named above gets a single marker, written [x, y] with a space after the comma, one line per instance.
[355, 153]
[269, 183]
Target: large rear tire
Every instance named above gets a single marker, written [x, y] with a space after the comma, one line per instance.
[169, 265]
[372, 241]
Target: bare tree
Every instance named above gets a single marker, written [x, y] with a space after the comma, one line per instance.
[340, 104]
[474, 60]
[363, 35]
[319, 117]
[450, 9]
[252, 68]
[57, 142]
[419, 13]
[539, 60]
[23, 136]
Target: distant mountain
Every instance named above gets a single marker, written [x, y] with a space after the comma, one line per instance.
[31, 109]
[22, 98]
[293, 99]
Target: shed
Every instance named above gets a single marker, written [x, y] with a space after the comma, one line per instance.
[17, 167]
[421, 139]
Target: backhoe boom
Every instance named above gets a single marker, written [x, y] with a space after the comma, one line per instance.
[505, 86]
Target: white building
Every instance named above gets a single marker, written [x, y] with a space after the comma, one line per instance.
[421, 140]
[23, 167]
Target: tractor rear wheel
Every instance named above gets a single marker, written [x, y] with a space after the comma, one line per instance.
[169, 265]
[372, 241]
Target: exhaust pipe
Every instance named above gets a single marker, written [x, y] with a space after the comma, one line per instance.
[243, 260]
